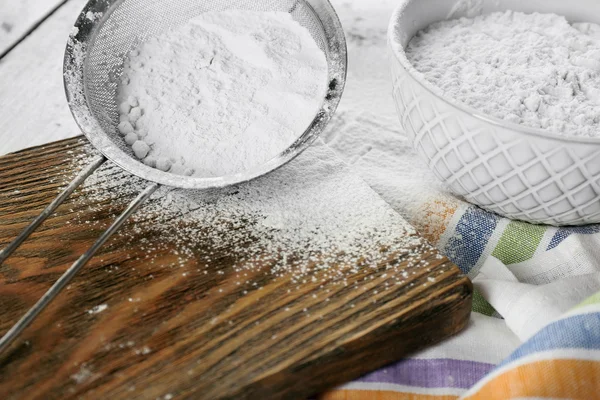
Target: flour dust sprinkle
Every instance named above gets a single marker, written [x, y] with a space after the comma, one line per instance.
[534, 69]
[222, 94]
[312, 217]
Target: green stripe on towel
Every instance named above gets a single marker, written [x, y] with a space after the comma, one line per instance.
[480, 304]
[519, 242]
[594, 299]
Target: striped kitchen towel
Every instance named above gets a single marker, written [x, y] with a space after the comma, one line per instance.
[522, 340]
[527, 337]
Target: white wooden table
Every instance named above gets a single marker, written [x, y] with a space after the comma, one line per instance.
[33, 35]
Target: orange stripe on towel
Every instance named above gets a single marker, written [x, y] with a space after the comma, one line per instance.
[572, 379]
[435, 219]
[379, 395]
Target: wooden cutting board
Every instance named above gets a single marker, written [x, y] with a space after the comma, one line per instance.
[142, 322]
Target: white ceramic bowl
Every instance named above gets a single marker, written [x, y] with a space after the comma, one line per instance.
[518, 172]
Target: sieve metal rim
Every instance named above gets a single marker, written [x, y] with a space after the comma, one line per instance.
[76, 92]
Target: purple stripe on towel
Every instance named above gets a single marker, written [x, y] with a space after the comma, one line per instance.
[433, 373]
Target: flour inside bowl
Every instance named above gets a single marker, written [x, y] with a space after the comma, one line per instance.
[224, 93]
[535, 69]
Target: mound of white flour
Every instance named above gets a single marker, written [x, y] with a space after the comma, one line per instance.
[533, 69]
[224, 93]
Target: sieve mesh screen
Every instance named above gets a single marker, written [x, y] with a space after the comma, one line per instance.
[135, 20]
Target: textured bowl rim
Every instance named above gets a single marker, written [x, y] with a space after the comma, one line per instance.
[400, 54]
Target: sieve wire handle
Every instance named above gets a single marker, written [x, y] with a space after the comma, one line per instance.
[60, 284]
[78, 180]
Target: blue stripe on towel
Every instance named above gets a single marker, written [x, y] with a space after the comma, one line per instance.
[470, 238]
[564, 233]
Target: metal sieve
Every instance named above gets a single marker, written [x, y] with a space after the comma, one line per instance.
[104, 33]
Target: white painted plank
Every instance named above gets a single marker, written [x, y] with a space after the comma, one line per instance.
[33, 108]
[17, 18]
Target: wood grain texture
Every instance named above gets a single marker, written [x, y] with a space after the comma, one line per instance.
[19, 17]
[33, 109]
[196, 335]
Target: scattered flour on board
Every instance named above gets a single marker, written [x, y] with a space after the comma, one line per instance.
[98, 309]
[143, 351]
[223, 93]
[311, 215]
[84, 374]
[534, 69]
